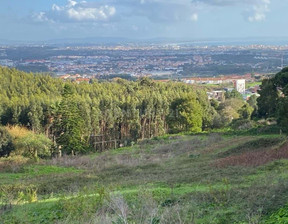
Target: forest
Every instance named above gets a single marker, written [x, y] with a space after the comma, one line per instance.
[78, 118]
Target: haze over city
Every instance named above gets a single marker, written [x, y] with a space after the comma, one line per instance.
[34, 20]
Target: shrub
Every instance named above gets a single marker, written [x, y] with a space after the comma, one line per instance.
[34, 145]
[6, 145]
[242, 124]
[28, 143]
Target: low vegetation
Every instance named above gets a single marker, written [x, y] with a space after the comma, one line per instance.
[207, 178]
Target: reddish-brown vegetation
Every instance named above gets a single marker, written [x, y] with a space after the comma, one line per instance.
[255, 158]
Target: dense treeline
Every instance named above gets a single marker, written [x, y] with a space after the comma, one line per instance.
[75, 116]
[119, 110]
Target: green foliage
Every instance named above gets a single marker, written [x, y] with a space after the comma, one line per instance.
[165, 180]
[279, 217]
[30, 195]
[273, 100]
[6, 144]
[252, 101]
[77, 116]
[186, 113]
[33, 145]
[35, 116]
[281, 79]
[267, 102]
[121, 110]
[233, 94]
[282, 113]
[70, 123]
[214, 103]
[242, 124]
[83, 203]
[245, 111]
[227, 112]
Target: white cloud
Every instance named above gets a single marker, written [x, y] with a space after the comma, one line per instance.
[156, 11]
[259, 11]
[75, 11]
[40, 17]
[71, 3]
[93, 14]
[56, 7]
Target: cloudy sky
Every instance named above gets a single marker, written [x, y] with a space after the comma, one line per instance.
[190, 19]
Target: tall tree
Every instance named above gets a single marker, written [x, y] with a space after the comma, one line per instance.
[70, 123]
[186, 114]
[267, 102]
[35, 116]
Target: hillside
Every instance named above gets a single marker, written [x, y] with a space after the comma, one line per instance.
[205, 178]
[110, 153]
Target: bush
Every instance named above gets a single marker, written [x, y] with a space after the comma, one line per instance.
[34, 145]
[6, 145]
[28, 143]
[242, 124]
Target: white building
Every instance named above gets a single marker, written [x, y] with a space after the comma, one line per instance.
[240, 85]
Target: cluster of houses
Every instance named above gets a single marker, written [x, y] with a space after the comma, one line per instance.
[239, 83]
[217, 80]
[240, 86]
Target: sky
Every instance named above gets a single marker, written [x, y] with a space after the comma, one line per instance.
[40, 20]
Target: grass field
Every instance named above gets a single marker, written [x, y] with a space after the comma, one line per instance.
[252, 84]
[205, 178]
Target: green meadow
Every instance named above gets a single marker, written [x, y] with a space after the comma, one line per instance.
[204, 178]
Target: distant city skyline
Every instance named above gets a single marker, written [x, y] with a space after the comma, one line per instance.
[34, 20]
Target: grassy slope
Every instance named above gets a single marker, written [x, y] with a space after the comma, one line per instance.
[197, 173]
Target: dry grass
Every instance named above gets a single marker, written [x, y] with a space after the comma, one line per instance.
[12, 164]
[224, 143]
[99, 163]
[142, 210]
[143, 156]
[256, 158]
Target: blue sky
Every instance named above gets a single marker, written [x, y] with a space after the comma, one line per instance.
[185, 19]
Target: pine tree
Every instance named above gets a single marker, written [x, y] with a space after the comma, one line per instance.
[70, 124]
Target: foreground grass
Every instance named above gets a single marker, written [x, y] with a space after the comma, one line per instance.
[174, 179]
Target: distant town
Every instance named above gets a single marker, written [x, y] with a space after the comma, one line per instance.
[211, 65]
[169, 61]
